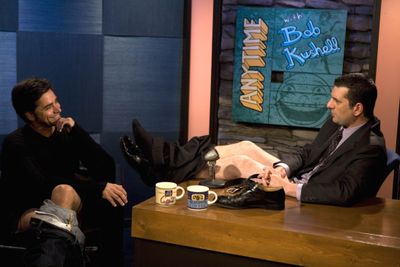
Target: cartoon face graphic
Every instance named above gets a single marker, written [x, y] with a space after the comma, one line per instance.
[303, 105]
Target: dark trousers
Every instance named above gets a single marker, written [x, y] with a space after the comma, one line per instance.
[49, 247]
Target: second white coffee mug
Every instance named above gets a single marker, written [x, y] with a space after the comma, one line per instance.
[167, 193]
[198, 197]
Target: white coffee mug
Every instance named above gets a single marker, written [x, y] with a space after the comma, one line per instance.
[166, 193]
[198, 197]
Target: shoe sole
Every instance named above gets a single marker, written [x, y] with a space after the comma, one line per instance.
[269, 207]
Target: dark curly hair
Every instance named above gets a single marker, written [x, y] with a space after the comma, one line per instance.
[25, 94]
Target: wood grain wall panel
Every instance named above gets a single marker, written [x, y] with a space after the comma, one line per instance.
[73, 16]
[158, 18]
[74, 64]
[142, 79]
[8, 15]
[8, 118]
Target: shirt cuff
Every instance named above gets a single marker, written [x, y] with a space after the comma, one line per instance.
[298, 191]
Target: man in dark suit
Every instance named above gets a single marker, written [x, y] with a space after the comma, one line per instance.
[343, 165]
[354, 169]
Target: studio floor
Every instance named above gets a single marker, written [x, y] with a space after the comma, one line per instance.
[128, 247]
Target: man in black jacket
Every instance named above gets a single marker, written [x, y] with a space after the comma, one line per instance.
[41, 170]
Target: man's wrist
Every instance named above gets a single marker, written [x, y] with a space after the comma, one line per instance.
[283, 165]
[291, 189]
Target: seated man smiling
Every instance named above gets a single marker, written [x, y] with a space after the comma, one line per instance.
[42, 185]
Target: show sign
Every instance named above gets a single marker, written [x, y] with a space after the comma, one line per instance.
[285, 63]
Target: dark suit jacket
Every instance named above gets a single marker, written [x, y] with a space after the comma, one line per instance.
[353, 172]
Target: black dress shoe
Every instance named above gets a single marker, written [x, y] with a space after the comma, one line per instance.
[254, 197]
[136, 159]
[143, 139]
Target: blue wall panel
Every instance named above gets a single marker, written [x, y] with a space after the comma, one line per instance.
[8, 118]
[74, 63]
[142, 79]
[74, 16]
[158, 18]
[8, 15]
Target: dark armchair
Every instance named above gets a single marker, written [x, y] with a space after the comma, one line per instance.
[393, 162]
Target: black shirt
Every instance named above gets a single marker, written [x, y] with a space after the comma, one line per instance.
[32, 165]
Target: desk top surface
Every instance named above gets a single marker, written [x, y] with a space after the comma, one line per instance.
[301, 234]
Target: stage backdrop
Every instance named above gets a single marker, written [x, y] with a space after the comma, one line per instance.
[285, 63]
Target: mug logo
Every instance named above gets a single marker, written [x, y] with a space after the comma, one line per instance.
[168, 197]
[198, 197]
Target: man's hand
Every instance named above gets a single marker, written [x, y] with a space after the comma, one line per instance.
[265, 177]
[65, 123]
[276, 178]
[281, 171]
[115, 194]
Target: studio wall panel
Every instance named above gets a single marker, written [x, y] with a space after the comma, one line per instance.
[73, 16]
[158, 18]
[142, 79]
[74, 64]
[8, 15]
[8, 118]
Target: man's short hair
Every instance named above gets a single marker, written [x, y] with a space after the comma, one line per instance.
[25, 94]
[361, 90]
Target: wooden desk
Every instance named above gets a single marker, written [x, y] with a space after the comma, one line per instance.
[302, 234]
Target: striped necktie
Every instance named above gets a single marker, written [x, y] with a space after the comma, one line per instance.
[334, 141]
